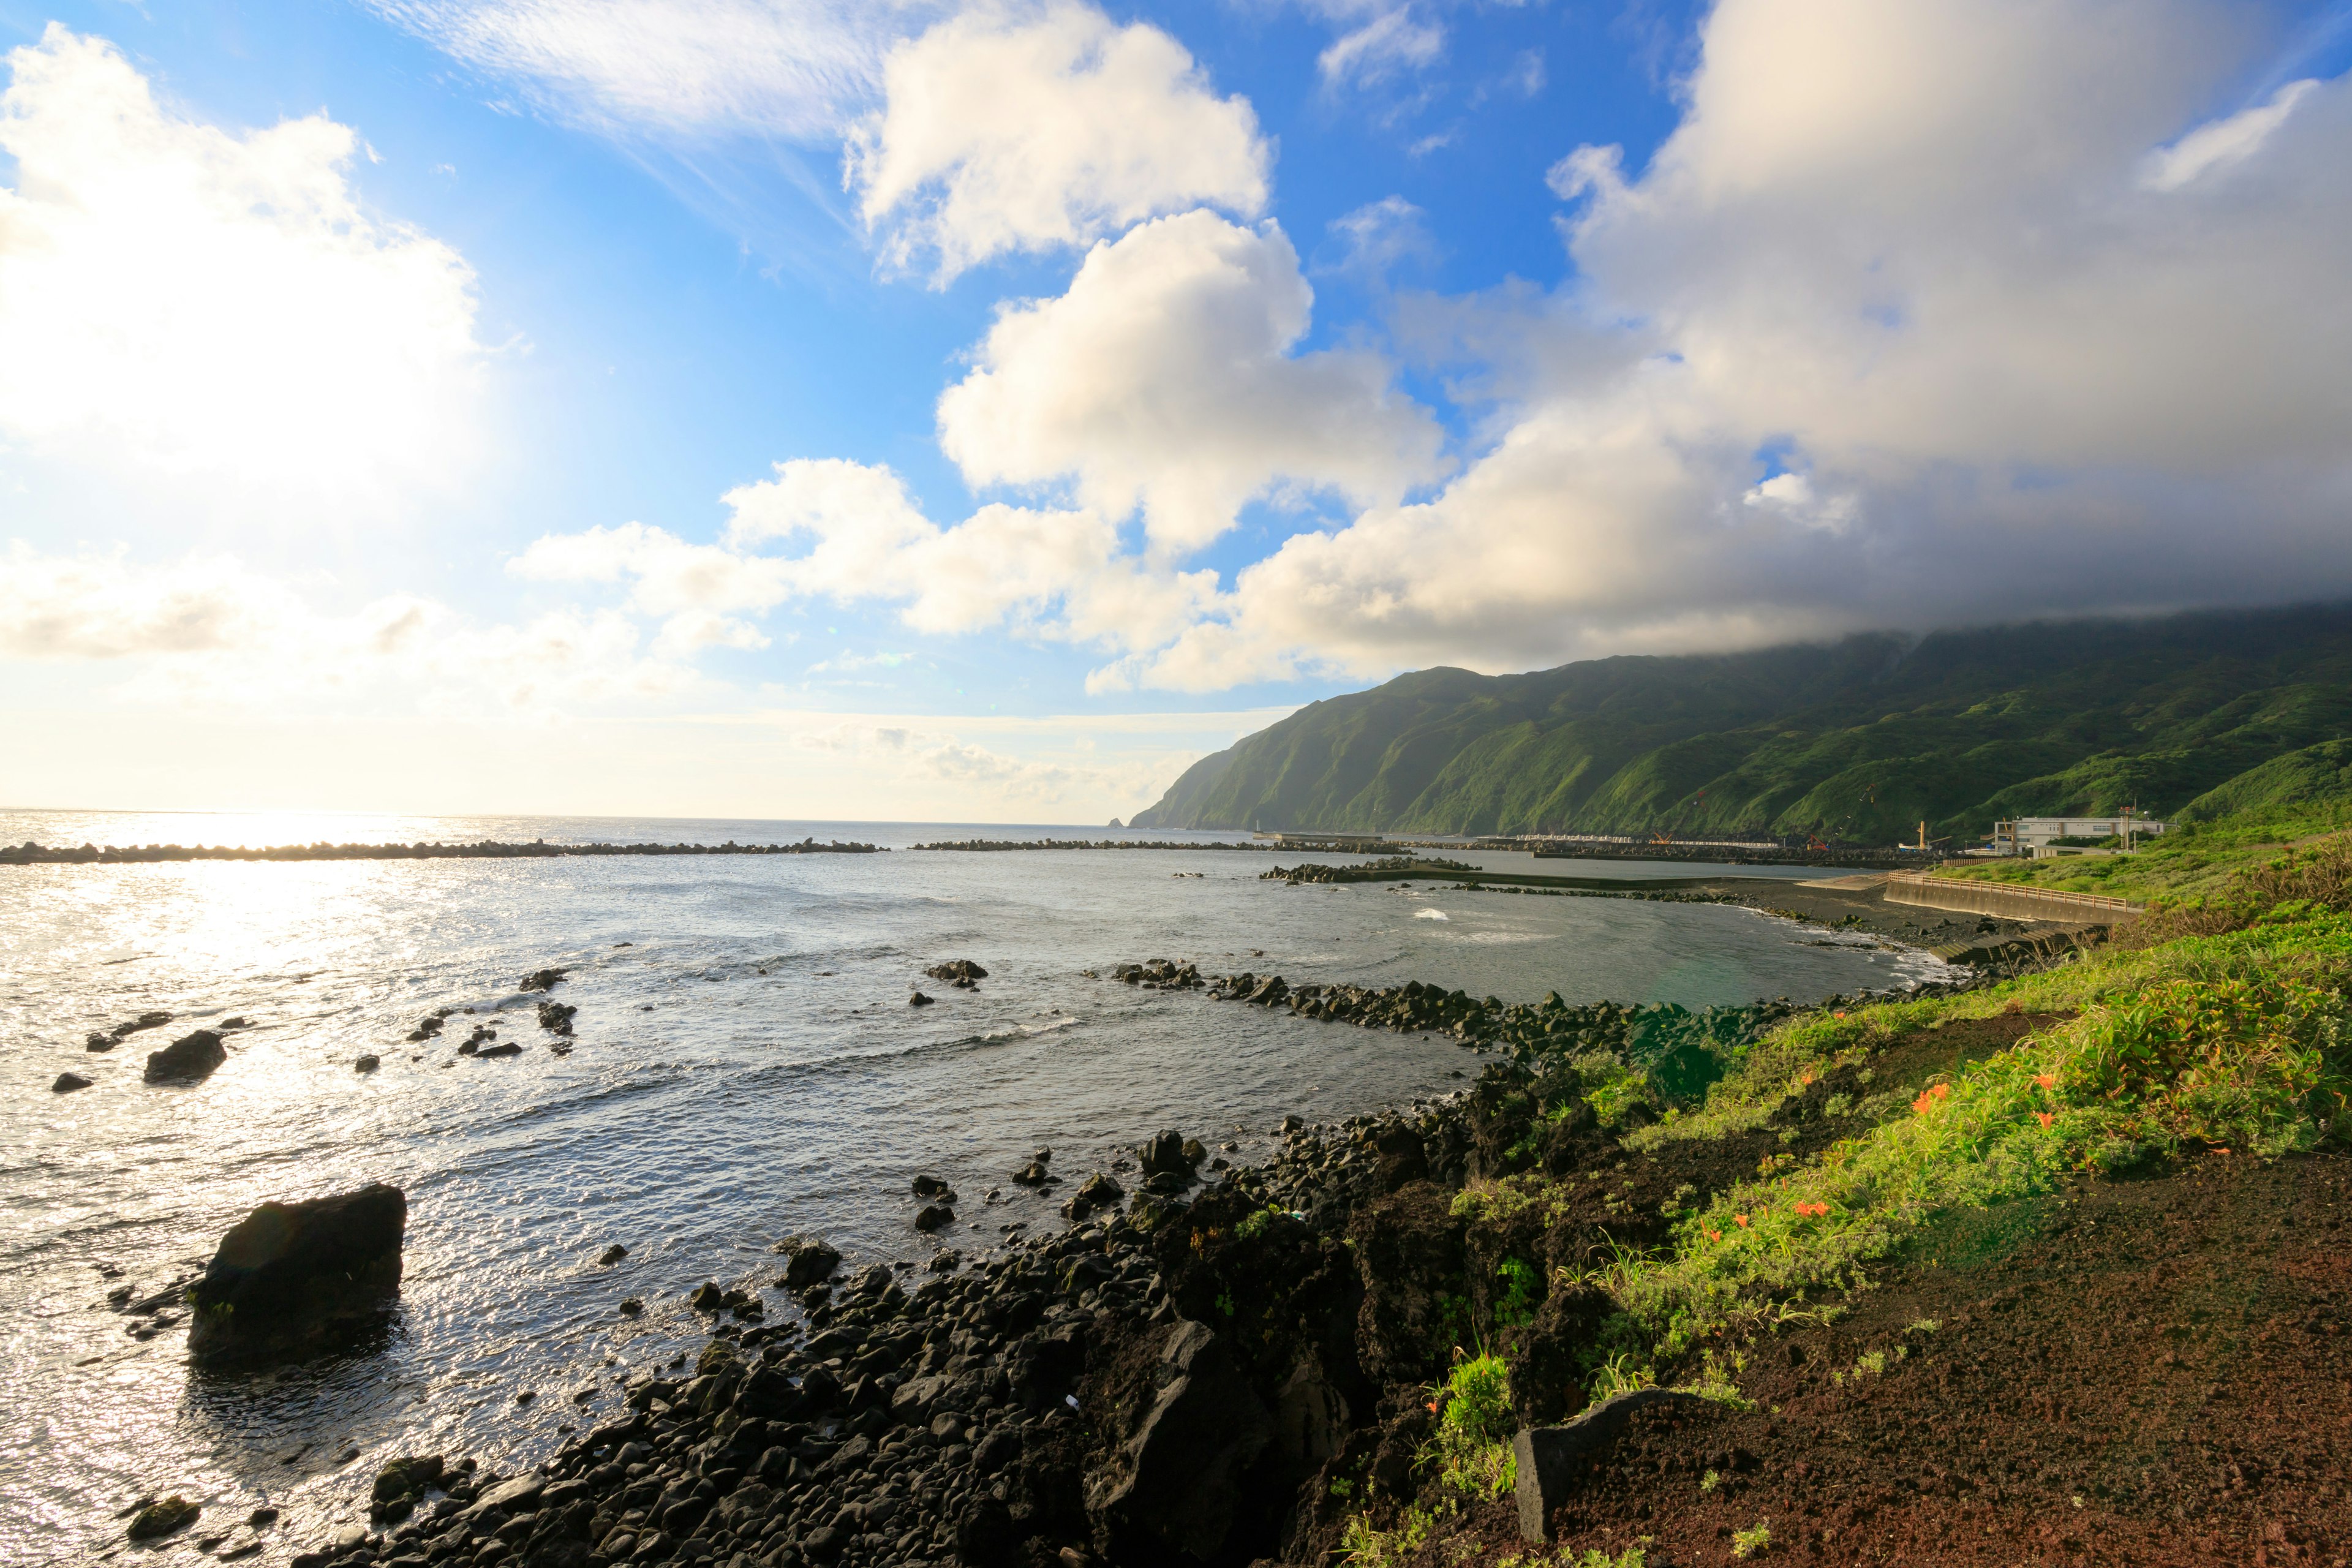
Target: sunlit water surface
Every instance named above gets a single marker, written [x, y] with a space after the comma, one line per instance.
[746, 1065]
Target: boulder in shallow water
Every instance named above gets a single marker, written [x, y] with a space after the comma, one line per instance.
[810, 1261]
[161, 1519]
[288, 1275]
[366, 1064]
[957, 971]
[933, 1216]
[189, 1059]
[67, 1083]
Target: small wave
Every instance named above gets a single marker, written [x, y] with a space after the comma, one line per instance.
[1431, 915]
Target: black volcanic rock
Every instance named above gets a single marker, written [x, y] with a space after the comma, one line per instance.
[189, 1059]
[288, 1275]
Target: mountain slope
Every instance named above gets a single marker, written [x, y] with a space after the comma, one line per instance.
[1861, 739]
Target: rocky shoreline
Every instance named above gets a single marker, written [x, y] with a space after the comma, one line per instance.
[1212, 1364]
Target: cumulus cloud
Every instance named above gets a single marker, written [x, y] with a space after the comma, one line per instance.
[211, 631]
[203, 301]
[1165, 378]
[1928, 313]
[794, 69]
[1014, 129]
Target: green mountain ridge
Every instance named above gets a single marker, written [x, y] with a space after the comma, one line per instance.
[1859, 741]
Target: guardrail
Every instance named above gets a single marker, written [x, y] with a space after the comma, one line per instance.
[1929, 892]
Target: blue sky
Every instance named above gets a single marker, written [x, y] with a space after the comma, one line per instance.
[393, 392]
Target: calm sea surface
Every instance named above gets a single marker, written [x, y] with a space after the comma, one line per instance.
[746, 1065]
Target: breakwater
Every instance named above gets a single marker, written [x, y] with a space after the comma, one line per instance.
[29, 854]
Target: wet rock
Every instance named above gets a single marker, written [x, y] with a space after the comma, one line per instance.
[543, 979]
[631, 1307]
[189, 1059]
[929, 1188]
[945, 1261]
[1168, 1153]
[366, 1064]
[1176, 1480]
[1100, 1192]
[920, 1000]
[710, 1298]
[555, 1017]
[289, 1275]
[404, 1479]
[933, 1216]
[67, 1083]
[162, 1517]
[808, 1260]
[108, 1039]
[504, 1049]
[612, 1255]
[957, 971]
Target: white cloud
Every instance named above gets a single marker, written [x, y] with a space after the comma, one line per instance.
[1913, 251]
[203, 302]
[1391, 40]
[2224, 142]
[209, 632]
[793, 68]
[1164, 378]
[1018, 129]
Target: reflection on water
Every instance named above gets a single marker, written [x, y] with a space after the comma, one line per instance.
[745, 1066]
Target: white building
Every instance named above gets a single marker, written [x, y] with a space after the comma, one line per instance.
[2035, 835]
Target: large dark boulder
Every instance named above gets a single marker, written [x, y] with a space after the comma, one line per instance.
[1173, 1487]
[189, 1059]
[288, 1275]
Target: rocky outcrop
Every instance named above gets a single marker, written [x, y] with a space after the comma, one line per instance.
[806, 1261]
[960, 972]
[289, 1276]
[67, 1083]
[107, 1039]
[191, 1058]
[1175, 1484]
[1550, 1459]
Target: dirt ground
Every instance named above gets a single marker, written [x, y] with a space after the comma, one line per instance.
[2150, 1372]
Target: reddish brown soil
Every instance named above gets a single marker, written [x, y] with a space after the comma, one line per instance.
[2147, 1372]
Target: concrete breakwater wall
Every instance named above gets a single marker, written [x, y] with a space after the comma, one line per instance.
[2039, 904]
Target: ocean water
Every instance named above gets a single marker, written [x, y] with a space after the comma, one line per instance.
[745, 1066]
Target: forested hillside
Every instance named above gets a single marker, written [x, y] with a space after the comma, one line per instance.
[1860, 740]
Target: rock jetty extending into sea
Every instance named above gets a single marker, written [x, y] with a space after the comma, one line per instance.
[987, 846]
[30, 854]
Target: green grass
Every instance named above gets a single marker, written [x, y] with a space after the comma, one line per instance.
[2197, 861]
[1471, 1449]
[2241, 1041]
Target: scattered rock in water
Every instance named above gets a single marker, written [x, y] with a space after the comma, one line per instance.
[933, 1216]
[1035, 1173]
[947, 1261]
[960, 972]
[366, 1064]
[612, 1255]
[808, 1260]
[503, 1049]
[189, 1059]
[261, 1518]
[400, 1484]
[1100, 1192]
[525, 1396]
[162, 1517]
[1169, 1153]
[288, 1275]
[929, 1188]
[710, 1298]
[555, 1017]
[546, 979]
[67, 1083]
[106, 1040]
[631, 1307]
[920, 1000]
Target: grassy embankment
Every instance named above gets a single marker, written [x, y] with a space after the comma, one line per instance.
[2219, 1024]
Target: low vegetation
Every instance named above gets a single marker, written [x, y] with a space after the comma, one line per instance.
[2225, 1032]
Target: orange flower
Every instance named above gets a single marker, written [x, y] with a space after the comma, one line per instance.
[1931, 1097]
[1814, 1211]
[2046, 1080]
[1837, 1014]
[1714, 1235]
[1741, 1220]
[2046, 1117]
